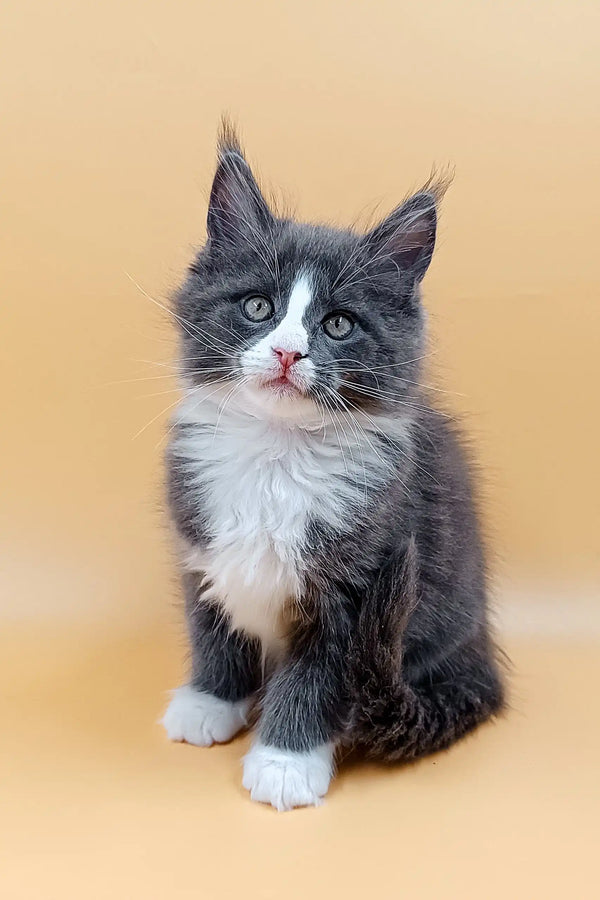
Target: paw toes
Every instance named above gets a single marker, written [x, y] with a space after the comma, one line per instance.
[286, 779]
[202, 719]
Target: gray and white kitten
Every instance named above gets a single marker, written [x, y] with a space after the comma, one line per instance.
[332, 563]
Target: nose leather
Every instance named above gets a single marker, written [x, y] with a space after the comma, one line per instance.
[287, 358]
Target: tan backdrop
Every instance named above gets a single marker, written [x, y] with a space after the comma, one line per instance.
[109, 114]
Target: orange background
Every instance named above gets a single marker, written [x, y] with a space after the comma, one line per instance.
[109, 116]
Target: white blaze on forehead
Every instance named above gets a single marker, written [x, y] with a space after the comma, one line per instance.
[260, 361]
[291, 334]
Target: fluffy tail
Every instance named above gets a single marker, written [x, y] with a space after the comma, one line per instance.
[392, 719]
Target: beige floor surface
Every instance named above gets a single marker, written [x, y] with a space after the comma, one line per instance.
[100, 805]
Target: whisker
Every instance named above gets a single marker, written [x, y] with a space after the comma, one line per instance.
[224, 402]
[178, 374]
[229, 329]
[245, 237]
[151, 422]
[379, 431]
[352, 257]
[386, 397]
[178, 421]
[335, 363]
[190, 329]
[397, 445]
[171, 365]
[355, 420]
[426, 387]
[333, 422]
[358, 443]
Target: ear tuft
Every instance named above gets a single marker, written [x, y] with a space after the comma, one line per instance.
[228, 141]
[438, 183]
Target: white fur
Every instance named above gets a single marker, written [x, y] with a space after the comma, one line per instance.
[265, 461]
[286, 779]
[202, 719]
[290, 334]
[259, 480]
[260, 363]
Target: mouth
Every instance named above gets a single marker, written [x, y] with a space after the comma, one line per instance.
[281, 385]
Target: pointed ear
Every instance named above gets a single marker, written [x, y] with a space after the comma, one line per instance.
[236, 208]
[404, 241]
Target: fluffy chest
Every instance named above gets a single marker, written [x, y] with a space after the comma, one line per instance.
[257, 487]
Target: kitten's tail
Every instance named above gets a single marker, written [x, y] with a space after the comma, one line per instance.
[377, 655]
[393, 719]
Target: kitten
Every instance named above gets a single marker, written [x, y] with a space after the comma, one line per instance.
[332, 563]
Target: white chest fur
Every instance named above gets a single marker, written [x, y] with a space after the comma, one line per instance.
[259, 483]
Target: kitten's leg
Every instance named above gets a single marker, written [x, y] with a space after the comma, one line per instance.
[305, 706]
[225, 673]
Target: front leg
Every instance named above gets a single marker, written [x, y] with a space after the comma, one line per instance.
[305, 706]
[213, 707]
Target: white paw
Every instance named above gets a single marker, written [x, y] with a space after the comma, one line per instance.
[202, 719]
[286, 779]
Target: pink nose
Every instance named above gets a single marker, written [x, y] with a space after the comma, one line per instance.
[287, 358]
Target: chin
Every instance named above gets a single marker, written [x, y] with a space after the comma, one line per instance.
[283, 401]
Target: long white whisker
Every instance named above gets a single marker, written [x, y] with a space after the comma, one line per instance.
[379, 432]
[179, 373]
[332, 393]
[354, 419]
[151, 422]
[388, 397]
[396, 444]
[190, 329]
[178, 421]
[333, 422]
[224, 402]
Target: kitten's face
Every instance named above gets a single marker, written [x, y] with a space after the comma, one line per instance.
[304, 321]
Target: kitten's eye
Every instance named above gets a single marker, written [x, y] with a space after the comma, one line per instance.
[258, 309]
[338, 327]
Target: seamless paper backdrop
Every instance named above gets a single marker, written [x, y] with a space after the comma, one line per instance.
[109, 115]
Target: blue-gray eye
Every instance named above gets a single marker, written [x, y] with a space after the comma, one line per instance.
[258, 309]
[338, 326]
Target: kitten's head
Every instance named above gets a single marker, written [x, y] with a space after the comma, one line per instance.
[302, 320]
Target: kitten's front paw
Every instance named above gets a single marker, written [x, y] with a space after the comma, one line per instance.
[286, 779]
[202, 719]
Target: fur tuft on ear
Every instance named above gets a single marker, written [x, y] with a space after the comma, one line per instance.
[228, 140]
[236, 207]
[405, 240]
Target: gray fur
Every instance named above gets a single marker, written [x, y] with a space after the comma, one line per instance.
[389, 646]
